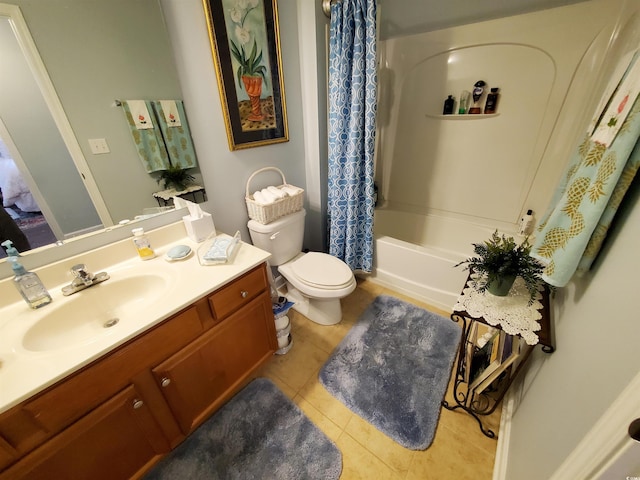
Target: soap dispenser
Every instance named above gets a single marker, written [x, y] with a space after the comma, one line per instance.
[28, 283]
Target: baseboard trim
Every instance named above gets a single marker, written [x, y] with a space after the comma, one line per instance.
[504, 434]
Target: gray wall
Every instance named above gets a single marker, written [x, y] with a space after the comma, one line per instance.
[225, 173]
[95, 52]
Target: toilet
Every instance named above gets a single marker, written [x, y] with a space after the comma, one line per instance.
[315, 281]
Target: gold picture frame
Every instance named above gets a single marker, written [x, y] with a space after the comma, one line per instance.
[245, 44]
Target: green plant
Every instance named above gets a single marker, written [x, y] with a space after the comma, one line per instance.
[248, 65]
[500, 257]
[175, 177]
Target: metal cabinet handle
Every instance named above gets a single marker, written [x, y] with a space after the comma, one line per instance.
[165, 382]
[137, 403]
[244, 294]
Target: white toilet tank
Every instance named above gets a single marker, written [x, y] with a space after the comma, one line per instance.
[282, 238]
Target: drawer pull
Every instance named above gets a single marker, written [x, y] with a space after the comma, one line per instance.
[244, 294]
[137, 403]
[165, 382]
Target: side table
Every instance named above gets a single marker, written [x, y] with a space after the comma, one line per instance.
[164, 197]
[485, 402]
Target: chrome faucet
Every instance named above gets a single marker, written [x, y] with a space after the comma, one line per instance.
[82, 279]
[81, 275]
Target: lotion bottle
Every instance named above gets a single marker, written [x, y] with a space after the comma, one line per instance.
[28, 283]
[142, 244]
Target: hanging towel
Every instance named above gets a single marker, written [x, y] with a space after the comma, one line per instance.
[585, 202]
[175, 130]
[146, 135]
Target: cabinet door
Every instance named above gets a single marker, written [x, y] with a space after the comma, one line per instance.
[198, 379]
[7, 453]
[115, 441]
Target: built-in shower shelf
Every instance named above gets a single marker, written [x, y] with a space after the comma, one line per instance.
[465, 116]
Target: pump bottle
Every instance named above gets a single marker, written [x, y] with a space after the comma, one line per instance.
[28, 283]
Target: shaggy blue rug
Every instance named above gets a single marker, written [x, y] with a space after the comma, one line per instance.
[258, 434]
[393, 368]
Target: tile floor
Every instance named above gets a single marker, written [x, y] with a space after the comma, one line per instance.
[460, 451]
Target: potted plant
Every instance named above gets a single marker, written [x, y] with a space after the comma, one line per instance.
[499, 261]
[175, 177]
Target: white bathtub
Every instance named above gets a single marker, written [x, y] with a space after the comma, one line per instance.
[415, 254]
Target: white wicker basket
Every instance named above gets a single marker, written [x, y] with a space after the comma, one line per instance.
[268, 213]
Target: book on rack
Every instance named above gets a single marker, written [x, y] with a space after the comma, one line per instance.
[512, 347]
[470, 347]
[486, 356]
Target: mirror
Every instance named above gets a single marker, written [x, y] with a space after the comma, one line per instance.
[92, 53]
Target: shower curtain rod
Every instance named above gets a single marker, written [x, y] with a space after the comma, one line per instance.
[326, 6]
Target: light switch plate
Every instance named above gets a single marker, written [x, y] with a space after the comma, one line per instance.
[98, 146]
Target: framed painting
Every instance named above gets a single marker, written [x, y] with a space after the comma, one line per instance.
[245, 43]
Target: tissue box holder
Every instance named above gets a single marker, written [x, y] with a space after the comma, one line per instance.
[199, 229]
[219, 249]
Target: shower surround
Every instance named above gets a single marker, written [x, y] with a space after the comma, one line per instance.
[447, 181]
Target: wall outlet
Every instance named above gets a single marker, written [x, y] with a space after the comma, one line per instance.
[98, 146]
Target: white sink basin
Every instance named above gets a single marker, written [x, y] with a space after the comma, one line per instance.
[95, 312]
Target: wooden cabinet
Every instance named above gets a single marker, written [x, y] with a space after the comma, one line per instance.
[113, 441]
[194, 381]
[138, 402]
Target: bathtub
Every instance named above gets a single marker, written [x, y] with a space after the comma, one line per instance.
[415, 254]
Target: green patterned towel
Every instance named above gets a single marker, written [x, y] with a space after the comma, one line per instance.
[148, 138]
[175, 131]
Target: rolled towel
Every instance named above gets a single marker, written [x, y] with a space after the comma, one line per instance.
[268, 196]
[277, 192]
[259, 198]
[291, 190]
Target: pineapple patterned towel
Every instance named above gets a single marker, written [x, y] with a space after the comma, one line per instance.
[586, 201]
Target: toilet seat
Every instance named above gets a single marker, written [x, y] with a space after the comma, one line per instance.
[321, 270]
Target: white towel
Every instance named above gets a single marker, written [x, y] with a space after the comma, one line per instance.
[259, 198]
[269, 197]
[276, 192]
[291, 190]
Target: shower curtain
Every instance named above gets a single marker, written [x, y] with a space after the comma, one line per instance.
[352, 125]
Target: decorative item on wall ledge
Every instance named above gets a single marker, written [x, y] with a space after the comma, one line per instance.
[245, 44]
[499, 261]
[175, 177]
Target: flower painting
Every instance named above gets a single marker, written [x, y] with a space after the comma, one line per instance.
[246, 50]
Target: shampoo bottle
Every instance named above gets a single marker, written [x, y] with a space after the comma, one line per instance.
[28, 283]
[142, 244]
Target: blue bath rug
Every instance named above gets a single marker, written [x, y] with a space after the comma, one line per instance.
[258, 434]
[393, 368]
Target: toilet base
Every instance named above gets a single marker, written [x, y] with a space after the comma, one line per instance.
[323, 311]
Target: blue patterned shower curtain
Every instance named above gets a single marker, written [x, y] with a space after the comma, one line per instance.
[352, 124]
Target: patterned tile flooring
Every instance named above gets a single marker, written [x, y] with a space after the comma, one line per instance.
[460, 451]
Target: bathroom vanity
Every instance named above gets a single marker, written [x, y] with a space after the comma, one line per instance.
[116, 415]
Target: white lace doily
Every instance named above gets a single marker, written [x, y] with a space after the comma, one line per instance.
[512, 313]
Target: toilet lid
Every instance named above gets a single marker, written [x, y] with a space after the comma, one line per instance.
[322, 269]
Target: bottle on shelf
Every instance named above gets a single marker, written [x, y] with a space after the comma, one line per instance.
[492, 101]
[464, 102]
[448, 105]
[478, 89]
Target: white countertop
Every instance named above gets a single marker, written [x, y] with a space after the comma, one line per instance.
[25, 372]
